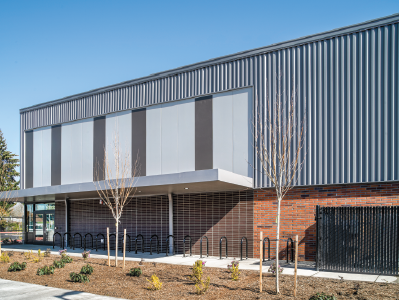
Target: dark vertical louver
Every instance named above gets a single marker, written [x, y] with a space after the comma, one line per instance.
[139, 141]
[203, 133]
[29, 159]
[99, 144]
[56, 155]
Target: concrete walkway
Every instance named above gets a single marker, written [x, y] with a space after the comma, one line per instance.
[15, 290]
[304, 268]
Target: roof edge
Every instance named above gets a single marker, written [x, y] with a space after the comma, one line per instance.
[231, 57]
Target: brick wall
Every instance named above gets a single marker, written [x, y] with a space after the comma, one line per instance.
[298, 211]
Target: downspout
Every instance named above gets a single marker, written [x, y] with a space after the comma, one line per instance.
[66, 219]
[171, 222]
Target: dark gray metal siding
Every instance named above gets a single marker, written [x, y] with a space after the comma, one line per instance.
[56, 155]
[346, 79]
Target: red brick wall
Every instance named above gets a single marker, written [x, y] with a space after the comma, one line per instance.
[298, 211]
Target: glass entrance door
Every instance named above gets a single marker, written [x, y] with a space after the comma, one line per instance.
[44, 227]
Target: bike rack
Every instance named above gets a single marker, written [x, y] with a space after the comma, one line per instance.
[84, 241]
[136, 239]
[173, 245]
[97, 239]
[73, 244]
[241, 248]
[109, 238]
[201, 246]
[269, 249]
[220, 247]
[287, 250]
[54, 239]
[184, 245]
[157, 244]
[70, 239]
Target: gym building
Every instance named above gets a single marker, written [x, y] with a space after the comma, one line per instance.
[191, 129]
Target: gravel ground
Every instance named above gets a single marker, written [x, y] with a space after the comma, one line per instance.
[114, 281]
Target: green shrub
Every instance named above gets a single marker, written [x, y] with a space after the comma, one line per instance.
[76, 277]
[16, 266]
[322, 296]
[66, 259]
[4, 258]
[88, 270]
[135, 272]
[59, 264]
[46, 270]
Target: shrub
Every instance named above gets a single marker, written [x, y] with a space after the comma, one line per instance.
[197, 277]
[28, 255]
[59, 264]
[272, 268]
[16, 266]
[235, 272]
[46, 270]
[66, 259]
[88, 269]
[47, 252]
[86, 254]
[234, 263]
[11, 253]
[40, 255]
[76, 277]
[135, 272]
[4, 258]
[156, 284]
[322, 296]
[62, 252]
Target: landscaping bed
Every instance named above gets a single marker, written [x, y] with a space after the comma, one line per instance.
[115, 282]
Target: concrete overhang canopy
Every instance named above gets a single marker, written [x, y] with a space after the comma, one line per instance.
[213, 180]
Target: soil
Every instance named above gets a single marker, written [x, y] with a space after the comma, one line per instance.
[115, 281]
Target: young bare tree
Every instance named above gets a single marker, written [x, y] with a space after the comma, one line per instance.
[118, 186]
[279, 139]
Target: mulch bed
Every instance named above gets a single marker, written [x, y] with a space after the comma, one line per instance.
[114, 281]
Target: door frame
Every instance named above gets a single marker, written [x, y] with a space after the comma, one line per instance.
[44, 213]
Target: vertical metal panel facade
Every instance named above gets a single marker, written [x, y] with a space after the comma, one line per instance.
[347, 80]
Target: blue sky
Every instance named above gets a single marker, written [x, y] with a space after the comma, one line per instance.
[53, 49]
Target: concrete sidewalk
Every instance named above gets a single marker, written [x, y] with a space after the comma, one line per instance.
[15, 290]
[304, 268]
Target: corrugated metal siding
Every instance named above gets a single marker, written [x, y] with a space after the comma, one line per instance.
[347, 83]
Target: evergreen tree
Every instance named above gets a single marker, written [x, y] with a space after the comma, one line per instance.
[8, 165]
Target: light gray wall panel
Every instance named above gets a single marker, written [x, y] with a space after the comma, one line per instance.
[37, 158]
[186, 136]
[153, 140]
[346, 79]
[222, 131]
[242, 132]
[119, 136]
[169, 138]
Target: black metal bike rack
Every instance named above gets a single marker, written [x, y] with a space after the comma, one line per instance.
[54, 239]
[84, 240]
[190, 245]
[157, 244]
[136, 240]
[109, 238]
[201, 246]
[269, 249]
[241, 248]
[97, 239]
[70, 239]
[167, 243]
[73, 244]
[287, 249]
[226, 247]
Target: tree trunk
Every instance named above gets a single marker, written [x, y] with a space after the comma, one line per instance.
[116, 244]
[277, 246]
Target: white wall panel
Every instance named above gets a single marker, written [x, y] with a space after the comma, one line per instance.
[242, 134]
[169, 138]
[186, 138]
[42, 157]
[153, 140]
[77, 152]
[222, 131]
[119, 136]
[37, 158]
[46, 157]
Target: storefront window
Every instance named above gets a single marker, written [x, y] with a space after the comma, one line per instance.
[45, 206]
[29, 217]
